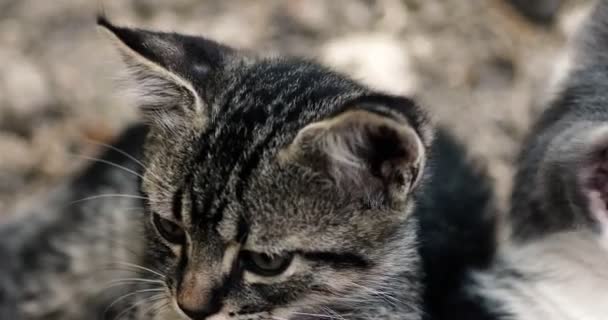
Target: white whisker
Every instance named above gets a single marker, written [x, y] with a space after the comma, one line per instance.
[331, 311]
[155, 307]
[137, 304]
[385, 296]
[109, 195]
[124, 296]
[130, 171]
[136, 266]
[127, 281]
[314, 315]
[136, 280]
[124, 153]
[110, 163]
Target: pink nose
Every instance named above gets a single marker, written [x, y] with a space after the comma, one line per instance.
[198, 297]
[201, 312]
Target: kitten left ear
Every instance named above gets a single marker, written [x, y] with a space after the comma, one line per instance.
[592, 167]
[365, 153]
[170, 69]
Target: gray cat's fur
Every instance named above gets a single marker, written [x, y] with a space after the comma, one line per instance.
[555, 263]
[244, 154]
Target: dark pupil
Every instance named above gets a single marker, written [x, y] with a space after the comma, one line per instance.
[266, 265]
[267, 262]
[169, 230]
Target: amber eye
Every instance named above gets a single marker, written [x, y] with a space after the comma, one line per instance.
[169, 230]
[264, 264]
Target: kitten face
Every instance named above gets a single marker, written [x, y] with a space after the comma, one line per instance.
[283, 248]
[276, 188]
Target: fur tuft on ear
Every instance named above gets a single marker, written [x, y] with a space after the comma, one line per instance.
[362, 152]
[169, 70]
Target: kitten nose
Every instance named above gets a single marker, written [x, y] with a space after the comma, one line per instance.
[202, 312]
[198, 296]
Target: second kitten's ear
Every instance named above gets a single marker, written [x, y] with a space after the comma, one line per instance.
[170, 70]
[364, 152]
[574, 175]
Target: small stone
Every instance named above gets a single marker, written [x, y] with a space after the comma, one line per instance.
[378, 60]
[25, 88]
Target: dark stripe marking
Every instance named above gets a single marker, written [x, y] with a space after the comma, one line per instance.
[338, 260]
[177, 204]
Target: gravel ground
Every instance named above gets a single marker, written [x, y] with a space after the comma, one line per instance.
[479, 65]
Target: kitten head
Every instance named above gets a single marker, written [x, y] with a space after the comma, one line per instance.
[562, 183]
[277, 188]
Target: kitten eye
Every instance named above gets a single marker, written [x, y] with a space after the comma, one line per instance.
[169, 230]
[266, 265]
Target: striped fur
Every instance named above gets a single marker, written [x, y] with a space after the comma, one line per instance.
[248, 154]
[225, 166]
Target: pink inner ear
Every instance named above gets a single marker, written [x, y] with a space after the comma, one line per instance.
[598, 188]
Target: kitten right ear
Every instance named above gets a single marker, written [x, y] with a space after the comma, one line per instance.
[368, 151]
[171, 71]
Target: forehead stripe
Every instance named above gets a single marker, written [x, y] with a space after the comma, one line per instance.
[242, 230]
[214, 129]
[177, 204]
[214, 141]
[287, 116]
[253, 152]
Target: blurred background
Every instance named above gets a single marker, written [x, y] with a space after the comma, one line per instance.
[483, 67]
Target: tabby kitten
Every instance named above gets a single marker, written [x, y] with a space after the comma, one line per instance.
[270, 189]
[275, 188]
[554, 265]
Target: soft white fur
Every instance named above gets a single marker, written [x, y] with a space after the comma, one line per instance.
[565, 276]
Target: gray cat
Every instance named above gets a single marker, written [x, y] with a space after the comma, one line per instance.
[266, 189]
[554, 264]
